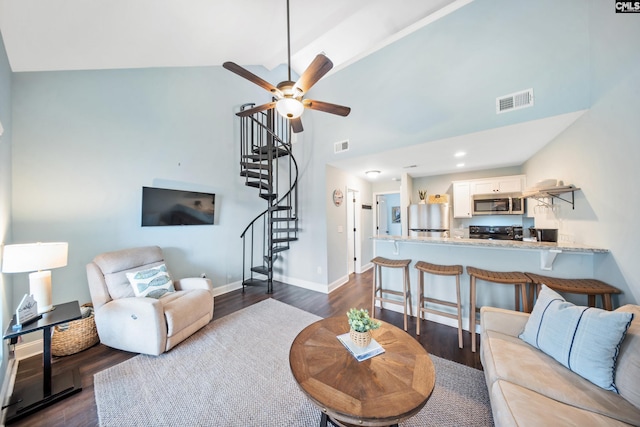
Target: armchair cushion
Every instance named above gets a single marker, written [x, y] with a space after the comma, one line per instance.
[143, 324]
[153, 282]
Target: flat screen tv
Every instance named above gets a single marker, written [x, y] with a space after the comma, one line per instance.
[162, 206]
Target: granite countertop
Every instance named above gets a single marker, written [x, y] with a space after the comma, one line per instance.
[501, 244]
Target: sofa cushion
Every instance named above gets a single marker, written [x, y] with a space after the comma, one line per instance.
[585, 340]
[628, 363]
[515, 405]
[151, 282]
[508, 358]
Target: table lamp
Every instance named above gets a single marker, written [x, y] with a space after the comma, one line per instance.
[37, 258]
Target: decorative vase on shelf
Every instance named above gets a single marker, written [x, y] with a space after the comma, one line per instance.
[422, 194]
[361, 326]
[360, 339]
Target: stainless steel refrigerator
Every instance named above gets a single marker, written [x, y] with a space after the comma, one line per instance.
[429, 220]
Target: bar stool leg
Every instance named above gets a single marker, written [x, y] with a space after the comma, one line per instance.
[407, 296]
[523, 296]
[459, 311]
[472, 313]
[606, 302]
[373, 296]
[420, 303]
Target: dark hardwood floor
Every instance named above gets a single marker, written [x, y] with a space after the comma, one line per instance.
[80, 409]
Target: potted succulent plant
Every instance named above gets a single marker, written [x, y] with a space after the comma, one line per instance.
[361, 326]
[422, 194]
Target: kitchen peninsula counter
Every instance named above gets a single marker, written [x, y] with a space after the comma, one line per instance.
[562, 260]
[502, 244]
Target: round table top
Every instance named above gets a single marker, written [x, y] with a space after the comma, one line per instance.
[383, 390]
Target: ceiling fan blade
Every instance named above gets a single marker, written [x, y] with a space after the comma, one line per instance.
[327, 107]
[296, 125]
[242, 72]
[251, 111]
[320, 66]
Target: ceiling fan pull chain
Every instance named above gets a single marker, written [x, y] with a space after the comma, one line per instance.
[288, 44]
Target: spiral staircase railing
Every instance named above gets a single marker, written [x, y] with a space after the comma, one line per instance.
[267, 163]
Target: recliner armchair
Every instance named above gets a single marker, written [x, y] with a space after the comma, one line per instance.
[142, 324]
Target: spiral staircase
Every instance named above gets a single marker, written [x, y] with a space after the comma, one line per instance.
[267, 164]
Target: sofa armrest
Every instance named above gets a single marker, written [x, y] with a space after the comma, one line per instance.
[133, 324]
[190, 283]
[508, 322]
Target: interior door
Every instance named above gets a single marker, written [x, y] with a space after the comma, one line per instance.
[351, 230]
[381, 204]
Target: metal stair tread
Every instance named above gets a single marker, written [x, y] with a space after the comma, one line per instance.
[260, 166]
[252, 174]
[284, 239]
[277, 152]
[261, 269]
[258, 184]
[283, 218]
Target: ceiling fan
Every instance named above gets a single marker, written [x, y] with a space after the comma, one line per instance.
[289, 101]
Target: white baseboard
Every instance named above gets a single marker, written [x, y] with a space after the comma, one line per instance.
[312, 286]
[220, 290]
[28, 349]
[338, 283]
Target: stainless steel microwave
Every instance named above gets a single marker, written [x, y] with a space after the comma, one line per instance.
[494, 204]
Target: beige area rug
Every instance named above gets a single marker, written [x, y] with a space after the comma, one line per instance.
[229, 375]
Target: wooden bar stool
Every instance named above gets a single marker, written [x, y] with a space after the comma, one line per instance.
[378, 290]
[589, 287]
[519, 280]
[439, 270]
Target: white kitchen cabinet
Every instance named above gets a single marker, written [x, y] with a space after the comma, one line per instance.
[462, 199]
[503, 184]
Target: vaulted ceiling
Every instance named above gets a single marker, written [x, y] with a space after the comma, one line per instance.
[44, 35]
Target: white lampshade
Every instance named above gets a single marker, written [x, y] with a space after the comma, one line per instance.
[290, 108]
[36, 257]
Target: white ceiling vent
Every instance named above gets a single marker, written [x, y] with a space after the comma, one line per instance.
[341, 146]
[514, 101]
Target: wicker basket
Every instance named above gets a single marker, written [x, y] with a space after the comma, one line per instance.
[75, 336]
[360, 339]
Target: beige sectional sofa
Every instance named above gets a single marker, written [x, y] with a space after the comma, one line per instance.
[529, 388]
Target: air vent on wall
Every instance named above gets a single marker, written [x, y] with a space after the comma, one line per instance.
[514, 101]
[341, 146]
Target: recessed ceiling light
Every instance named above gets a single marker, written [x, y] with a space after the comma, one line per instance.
[460, 165]
[372, 173]
[410, 166]
[460, 154]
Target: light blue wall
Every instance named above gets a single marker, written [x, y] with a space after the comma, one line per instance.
[442, 80]
[6, 294]
[600, 153]
[86, 142]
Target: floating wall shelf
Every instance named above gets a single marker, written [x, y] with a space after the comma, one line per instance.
[552, 193]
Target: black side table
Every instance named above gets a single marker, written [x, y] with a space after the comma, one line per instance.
[54, 388]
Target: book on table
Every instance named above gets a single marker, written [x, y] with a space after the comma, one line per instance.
[361, 353]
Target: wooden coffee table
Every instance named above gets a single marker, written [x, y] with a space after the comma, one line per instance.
[380, 391]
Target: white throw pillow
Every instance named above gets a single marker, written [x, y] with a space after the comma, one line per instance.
[153, 282]
[585, 340]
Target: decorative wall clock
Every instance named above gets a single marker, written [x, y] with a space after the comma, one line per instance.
[338, 197]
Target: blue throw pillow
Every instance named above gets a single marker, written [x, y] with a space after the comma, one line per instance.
[585, 340]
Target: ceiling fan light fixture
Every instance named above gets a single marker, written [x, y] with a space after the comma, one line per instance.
[289, 108]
